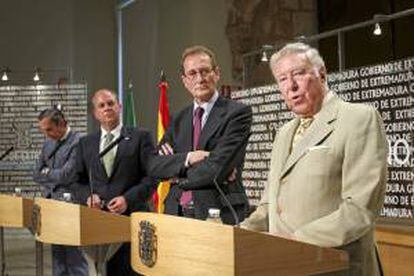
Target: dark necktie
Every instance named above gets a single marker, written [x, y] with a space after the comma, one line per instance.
[187, 196]
[197, 126]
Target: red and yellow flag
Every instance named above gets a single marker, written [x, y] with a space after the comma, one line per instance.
[163, 122]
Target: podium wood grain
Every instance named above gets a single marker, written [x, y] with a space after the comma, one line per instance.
[72, 224]
[15, 211]
[193, 247]
[396, 248]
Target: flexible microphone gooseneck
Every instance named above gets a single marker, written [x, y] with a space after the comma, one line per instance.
[7, 152]
[100, 156]
[224, 172]
[111, 146]
[57, 147]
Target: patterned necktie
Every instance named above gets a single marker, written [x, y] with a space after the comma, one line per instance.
[109, 157]
[187, 196]
[300, 131]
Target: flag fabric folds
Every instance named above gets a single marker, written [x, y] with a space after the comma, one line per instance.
[129, 117]
[163, 122]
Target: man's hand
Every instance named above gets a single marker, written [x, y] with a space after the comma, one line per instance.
[232, 176]
[118, 205]
[197, 156]
[95, 202]
[45, 171]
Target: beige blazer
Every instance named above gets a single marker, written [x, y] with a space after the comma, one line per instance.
[329, 189]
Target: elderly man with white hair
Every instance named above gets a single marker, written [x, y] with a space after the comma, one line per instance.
[328, 166]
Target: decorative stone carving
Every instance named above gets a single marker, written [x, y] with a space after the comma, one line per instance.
[254, 23]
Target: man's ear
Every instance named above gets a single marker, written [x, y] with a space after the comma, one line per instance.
[184, 80]
[217, 72]
[322, 74]
[94, 113]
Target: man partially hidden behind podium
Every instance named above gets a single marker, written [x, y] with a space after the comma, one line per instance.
[328, 166]
[53, 172]
[118, 178]
[211, 124]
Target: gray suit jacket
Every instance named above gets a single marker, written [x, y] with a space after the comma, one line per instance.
[329, 190]
[61, 165]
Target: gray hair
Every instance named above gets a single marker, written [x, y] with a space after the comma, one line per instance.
[310, 53]
[93, 97]
[198, 49]
[55, 115]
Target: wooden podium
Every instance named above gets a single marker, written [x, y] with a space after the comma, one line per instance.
[65, 223]
[15, 211]
[180, 246]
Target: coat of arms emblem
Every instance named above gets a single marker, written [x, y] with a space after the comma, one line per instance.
[147, 243]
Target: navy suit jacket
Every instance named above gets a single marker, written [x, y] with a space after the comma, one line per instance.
[128, 177]
[61, 166]
[227, 125]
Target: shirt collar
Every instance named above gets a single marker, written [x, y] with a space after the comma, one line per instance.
[66, 134]
[116, 132]
[207, 106]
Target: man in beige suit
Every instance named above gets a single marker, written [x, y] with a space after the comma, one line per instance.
[327, 179]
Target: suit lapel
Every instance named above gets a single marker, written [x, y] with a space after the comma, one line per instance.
[96, 141]
[318, 131]
[286, 143]
[122, 147]
[213, 121]
[185, 131]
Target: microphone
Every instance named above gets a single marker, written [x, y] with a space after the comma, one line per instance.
[112, 145]
[100, 156]
[224, 172]
[7, 152]
[60, 143]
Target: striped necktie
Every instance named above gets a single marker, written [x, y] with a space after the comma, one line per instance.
[109, 157]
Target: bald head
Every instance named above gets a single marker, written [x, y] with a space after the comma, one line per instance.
[106, 108]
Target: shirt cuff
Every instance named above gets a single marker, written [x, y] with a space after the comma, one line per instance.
[187, 161]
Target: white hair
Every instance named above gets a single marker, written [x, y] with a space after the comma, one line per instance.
[299, 48]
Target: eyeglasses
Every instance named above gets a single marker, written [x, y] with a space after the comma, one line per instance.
[296, 75]
[203, 72]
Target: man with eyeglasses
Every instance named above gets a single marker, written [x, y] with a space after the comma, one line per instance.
[328, 165]
[211, 126]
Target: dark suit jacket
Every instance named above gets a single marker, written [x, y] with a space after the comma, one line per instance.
[128, 177]
[226, 128]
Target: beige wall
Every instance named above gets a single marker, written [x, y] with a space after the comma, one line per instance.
[156, 34]
[56, 35]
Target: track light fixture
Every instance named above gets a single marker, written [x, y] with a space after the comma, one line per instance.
[36, 77]
[377, 29]
[264, 57]
[4, 74]
[265, 49]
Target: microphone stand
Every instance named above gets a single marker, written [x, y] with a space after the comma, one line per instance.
[100, 156]
[3, 253]
[2, 250]
[99, 264]
[227, 201]
[223, 173]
